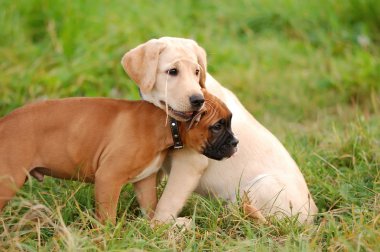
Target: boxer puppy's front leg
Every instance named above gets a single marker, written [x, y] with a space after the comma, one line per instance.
[186, 170]
[146, 193]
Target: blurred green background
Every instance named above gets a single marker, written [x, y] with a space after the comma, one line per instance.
[308, 70]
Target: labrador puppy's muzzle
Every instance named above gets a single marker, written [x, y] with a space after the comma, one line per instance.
[224, 146]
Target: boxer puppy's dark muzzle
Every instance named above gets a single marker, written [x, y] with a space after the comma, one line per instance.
[223, 143]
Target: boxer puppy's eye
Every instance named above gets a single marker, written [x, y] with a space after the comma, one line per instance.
[197, 72]
[218, 126]
[173, 71]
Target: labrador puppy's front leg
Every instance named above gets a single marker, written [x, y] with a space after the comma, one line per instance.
[186, 170]
[146, 193]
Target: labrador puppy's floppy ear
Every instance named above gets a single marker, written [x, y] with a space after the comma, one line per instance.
[141, 63]
[202, 61]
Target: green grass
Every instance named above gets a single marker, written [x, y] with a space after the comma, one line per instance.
[308, 70]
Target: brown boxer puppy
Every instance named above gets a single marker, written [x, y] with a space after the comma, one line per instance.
[107, 142]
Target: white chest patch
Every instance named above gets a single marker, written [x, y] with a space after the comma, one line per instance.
[151, 168]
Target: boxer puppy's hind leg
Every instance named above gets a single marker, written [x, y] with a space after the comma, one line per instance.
[146, 193]
[10, 183]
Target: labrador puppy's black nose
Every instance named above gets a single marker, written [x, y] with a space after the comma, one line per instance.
[197, 101]
[234, 142]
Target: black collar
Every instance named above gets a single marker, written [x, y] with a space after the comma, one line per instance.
[175, 134]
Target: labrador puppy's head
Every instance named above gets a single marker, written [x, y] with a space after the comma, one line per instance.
[170, 73]
[209, 132]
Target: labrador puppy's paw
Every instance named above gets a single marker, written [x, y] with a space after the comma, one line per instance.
[178, 224]
[183, 223]
[251, 211]
[179, 228]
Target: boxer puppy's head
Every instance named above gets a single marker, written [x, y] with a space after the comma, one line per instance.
[170, 73]
[209, 132]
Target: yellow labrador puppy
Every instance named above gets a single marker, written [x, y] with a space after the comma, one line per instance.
[170, 73]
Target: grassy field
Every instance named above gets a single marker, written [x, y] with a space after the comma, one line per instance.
[308, 70]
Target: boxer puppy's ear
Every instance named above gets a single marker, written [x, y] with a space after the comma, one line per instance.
[141, 63]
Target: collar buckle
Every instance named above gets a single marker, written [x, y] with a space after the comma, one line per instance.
[175, 134]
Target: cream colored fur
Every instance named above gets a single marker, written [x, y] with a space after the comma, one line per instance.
[262, 168]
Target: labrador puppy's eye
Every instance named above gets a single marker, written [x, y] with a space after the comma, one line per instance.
[173, 71]
[197, 72]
